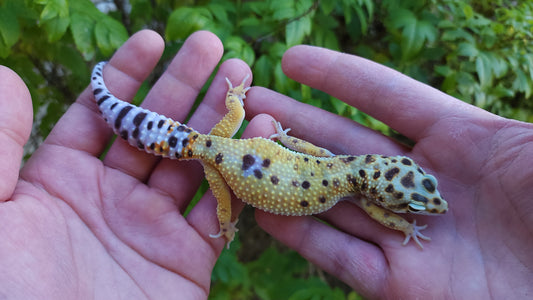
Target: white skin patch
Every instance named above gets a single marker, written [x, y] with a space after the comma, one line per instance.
[250, 164]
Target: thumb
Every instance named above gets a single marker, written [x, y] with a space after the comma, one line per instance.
[16, 115]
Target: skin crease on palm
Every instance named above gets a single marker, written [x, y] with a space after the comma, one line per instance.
[75, 226]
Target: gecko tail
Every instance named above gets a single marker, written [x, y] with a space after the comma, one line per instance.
[144, 129]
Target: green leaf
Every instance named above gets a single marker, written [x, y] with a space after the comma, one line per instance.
[236, 47]
[483, 70]
[521, 83]
[263, 71]
[9, 27]
[54, 9]
[82, 27]
[297, 30]
[327, 6]
[110, 34]
[186, 20]
[467, 49]
[56, 28]
[468, 11]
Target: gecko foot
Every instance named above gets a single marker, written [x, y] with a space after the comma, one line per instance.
[280, 132]
[227, 231]
[415, 233]
[239, 91]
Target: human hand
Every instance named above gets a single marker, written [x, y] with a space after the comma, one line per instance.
[481, 248]
[75, 226]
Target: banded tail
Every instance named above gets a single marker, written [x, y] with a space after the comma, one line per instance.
[146, 130]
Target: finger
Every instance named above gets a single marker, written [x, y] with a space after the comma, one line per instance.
[82, 127]
[408, 106]
[173, 96]
[335, 133]
[15, 127]
[181, 179]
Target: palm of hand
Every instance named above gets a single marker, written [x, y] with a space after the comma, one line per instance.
[78, 226]
[477, 157]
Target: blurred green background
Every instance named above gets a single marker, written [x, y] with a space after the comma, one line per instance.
[478, 51]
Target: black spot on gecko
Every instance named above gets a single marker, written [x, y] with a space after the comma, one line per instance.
[318, 162]
[369, 159]
[406, 161]
[430, 187]
[348, 159]
[306, 184]
[139, 118]
[180, 128]
[398, 195]
[274, 179]
[135, 133]
[322, 199]
[295, 183]
[140, 145]
[390, 174]
[325, 182]
[219, 158]
[436, 201]
[123, 112]
[247, 161]
[97, 91]
[306, 159]
[113, 105]
[189, 153]
[104, 98]
[304, 203]
[373, 191]
[172, 141]
[258, 174]
[266, 163]
[160, 123]
[149, 125]
[377, 174]
[419, 198]
[364, 186]
[389, 189]
[152, 146]
[362, 173]
[336, 182]
[420, 171]
[177, 155]
[351, 180]
[185, 142]
[124, 134]
[208, 143]
[407, 180]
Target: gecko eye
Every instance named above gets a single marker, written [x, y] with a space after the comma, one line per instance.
[414, 208]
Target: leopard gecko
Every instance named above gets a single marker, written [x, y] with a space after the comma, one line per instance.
[302, 180]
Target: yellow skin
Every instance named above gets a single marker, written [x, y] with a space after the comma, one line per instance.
[273, 178]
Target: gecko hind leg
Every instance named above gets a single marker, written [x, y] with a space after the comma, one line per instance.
[222, 193]
[297, 144]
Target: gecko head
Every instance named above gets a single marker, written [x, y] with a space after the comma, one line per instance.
[411, 190]
[424, 198]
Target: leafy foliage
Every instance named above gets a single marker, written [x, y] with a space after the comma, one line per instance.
[478, 51]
